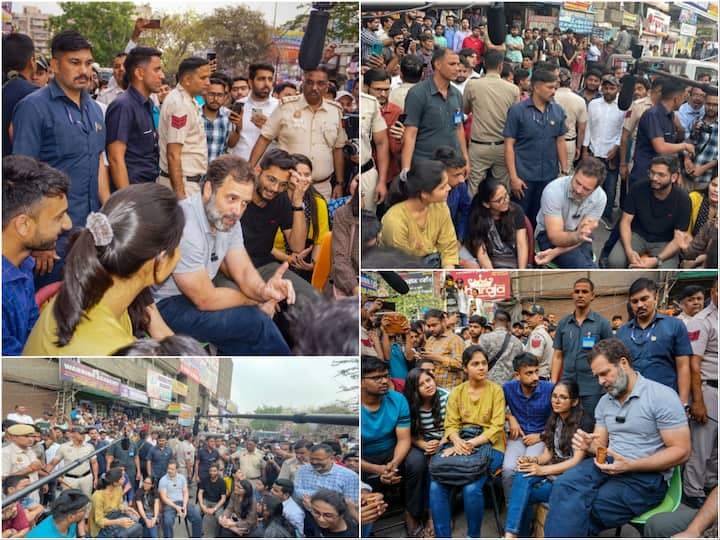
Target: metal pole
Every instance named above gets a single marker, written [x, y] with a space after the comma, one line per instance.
[300, 418]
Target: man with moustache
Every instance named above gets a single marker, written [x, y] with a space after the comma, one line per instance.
[692, 301]
[575, 336]
[132, 140]
[235, 318]
[700, 168]
[258, 105]
[62, 125]
[444, 348]
[643, 427]
[221, 124]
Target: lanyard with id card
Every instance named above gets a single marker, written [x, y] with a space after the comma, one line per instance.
[588, 342]
[457, 117]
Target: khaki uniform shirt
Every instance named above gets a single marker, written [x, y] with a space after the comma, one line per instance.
[251, 465]
[575, 110]
[540, 344]
[289, 469]
[16, 459]
[490, 98]
[69, 453]
[299, 130]
[703, 332]
[398, 95]
[371, 121]
[180, 123]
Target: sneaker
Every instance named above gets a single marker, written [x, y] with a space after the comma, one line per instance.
[606, 224]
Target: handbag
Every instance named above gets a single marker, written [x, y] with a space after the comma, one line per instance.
[118, 531]
[461, 470]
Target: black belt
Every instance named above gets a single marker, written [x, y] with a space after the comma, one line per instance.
[79, 475]
[369, 164]
[712, 383]
[487, 143]
[571, 140]
[197, 178]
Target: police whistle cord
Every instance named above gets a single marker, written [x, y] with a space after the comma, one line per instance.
[18, 495]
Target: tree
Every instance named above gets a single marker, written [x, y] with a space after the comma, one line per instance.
[107, 25]
[267, 425]
[342, 26]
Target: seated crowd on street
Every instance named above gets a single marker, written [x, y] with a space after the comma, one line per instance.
[198, 204]
[523, 154]
[155, 480]
[578, 423]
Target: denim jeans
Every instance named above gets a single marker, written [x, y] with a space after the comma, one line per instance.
[239, 331]
[610, 188]
[580, 257]
[151, 532]
[530, 202]
[525, 491]
[193, 515]
[584, 500]
[473, 501]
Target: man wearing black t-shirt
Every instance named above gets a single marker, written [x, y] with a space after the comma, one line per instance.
[270, 208]
[655, 217]
[211, 497]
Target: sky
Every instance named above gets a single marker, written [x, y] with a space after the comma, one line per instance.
[296, 382]
[285, 10]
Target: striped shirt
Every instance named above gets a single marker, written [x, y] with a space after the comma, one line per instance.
[431, 430]
[448, 370]
[217, 132]
[340, 479]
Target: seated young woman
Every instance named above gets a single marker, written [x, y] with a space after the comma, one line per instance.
[496, 234]
[127, 247]
[701, 250]
[476, 402]
[421, 224]
[534, 479]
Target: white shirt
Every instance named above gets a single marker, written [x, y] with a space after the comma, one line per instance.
[593, 53]
[250, 132]
[21, 418]
[604, 126]
[294, 514]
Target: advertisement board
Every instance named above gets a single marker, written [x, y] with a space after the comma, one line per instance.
[491, 285]
[133, 394]
[74, 371]
[159, 386]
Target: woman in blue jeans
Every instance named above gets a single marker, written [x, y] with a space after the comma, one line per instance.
[476, 402]
[147, 503]
[534, 480]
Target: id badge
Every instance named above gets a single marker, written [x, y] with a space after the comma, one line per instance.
[457, 118]
[588, 342]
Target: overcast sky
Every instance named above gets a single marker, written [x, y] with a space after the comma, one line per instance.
[285, 10]
[297, 382]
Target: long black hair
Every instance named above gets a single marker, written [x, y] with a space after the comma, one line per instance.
[274, 507]
[572, 422]
[146, 220]
[309, 196]
[478, 231]
[423, 177]
[246, 504]
[412, 394]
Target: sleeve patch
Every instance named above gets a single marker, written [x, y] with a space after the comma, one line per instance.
[179, 122]
[694, 336]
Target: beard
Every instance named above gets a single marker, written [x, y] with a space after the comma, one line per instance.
[620, 386]
[42, 245]
[216, 219]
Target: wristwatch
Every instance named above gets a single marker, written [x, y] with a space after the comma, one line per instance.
[403, 175]
[659, 260]
[298, 208]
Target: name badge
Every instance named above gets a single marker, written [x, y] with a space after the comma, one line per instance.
[457, 118]
[588, 342]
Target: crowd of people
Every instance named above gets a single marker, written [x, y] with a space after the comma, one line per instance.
[516, 154]
[590, 417]
[197, 206]
[146, 478]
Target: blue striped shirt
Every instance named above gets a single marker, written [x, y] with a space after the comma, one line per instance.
[340, 479]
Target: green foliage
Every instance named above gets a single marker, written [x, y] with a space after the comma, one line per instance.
[267, 425]
[107, 25]
[343, 24]
[179, 36]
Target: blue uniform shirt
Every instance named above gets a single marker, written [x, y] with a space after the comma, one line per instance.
[159, 460]
[654, 349]
[535, 135]
[655, 122]
[458, 201]
[13, 91]
[19, 311]
[49, 126]
[531, 411]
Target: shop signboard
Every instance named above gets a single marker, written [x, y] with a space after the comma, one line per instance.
[203, 371]
[186, 415]
[583, 7]
[75, 372]
[159, 386]
[133, 394]
[419, 282]
[656, 22]
[688, 29]
[157, 404]
[181, 389]
[580, 23]
[687, 16]
[491, 285]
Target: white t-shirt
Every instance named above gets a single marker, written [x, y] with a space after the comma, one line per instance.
[250, 132]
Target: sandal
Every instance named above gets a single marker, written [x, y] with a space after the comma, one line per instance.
[417, 533]
[429, 529]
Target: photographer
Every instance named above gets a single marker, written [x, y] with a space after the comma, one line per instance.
[704, 136]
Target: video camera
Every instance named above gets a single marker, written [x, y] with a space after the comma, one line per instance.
[351, 124]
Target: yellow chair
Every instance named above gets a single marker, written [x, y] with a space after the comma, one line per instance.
[323, 263]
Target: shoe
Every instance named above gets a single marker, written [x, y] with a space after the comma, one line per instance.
[693, 502]
[606, 224]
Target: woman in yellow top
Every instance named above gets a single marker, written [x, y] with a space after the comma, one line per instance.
[704, 206]
[109, 517]
[476, 402]
[316, 215]
[422, 225]
[127, 247]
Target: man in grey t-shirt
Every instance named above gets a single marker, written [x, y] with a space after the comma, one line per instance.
[237, 320]
[641, 425]
[570, 210]
[174, 495]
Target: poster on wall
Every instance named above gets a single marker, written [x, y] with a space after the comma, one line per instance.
[159, 386]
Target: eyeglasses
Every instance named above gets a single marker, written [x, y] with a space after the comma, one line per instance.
[319, 84]
[325, 515]
[377, 378]
[561, 398]
[276, 181]
[652, 174]
[505, 198]
[216, 95]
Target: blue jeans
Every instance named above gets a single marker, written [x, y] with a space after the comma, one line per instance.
[525, 491]
[530, 202]
[610, 188]
[193, 515]
[580, 257]
[151, 532]
[584, 500]
[473, 501]
[239, 331]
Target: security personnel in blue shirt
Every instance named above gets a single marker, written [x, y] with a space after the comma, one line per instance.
[659, 344]
[61, 125]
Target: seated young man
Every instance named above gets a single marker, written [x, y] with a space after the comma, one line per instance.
[529, 401]
[655, 217]
[34, 214]
[642, 426]
[236, 318]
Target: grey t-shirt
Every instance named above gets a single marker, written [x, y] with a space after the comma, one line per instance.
[200, 247]
[556, 202]
[173, 488]
[650, 408]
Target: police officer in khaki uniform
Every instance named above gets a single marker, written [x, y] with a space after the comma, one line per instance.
[18, 456]
[373, 176]
[84, 476]
[539, 344]
[183, 145]
[311, 125]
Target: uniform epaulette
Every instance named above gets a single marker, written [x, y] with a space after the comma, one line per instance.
[334, 103]
[289, 99]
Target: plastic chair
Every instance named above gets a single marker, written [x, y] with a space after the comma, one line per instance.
[46, 293]
[321, 272]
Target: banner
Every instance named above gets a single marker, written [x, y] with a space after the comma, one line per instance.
[419, 282]
[687, 16]
[688, 29]
[231, 407]
[630, 19]
[157, 404]
[186, 415]
[159, 386]
[656, 22]
[74, 371]
[173, 409]
[580, 23]
[181, 389]
[203, 371]
[584, 7]
[368, 285]
[491, 285]
[541, 22]
[133, 394]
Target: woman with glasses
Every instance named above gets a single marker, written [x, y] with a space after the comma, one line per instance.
[496, 234]
[147, 503]
[534, 480]
[331, 513]
[421, 224]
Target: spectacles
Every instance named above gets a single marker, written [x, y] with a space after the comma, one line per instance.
[276, 182]
[324, 515]
[215, 95]
[319, 84]
[377, 378]
[652, 174]
[561, 398]
[505, 198]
